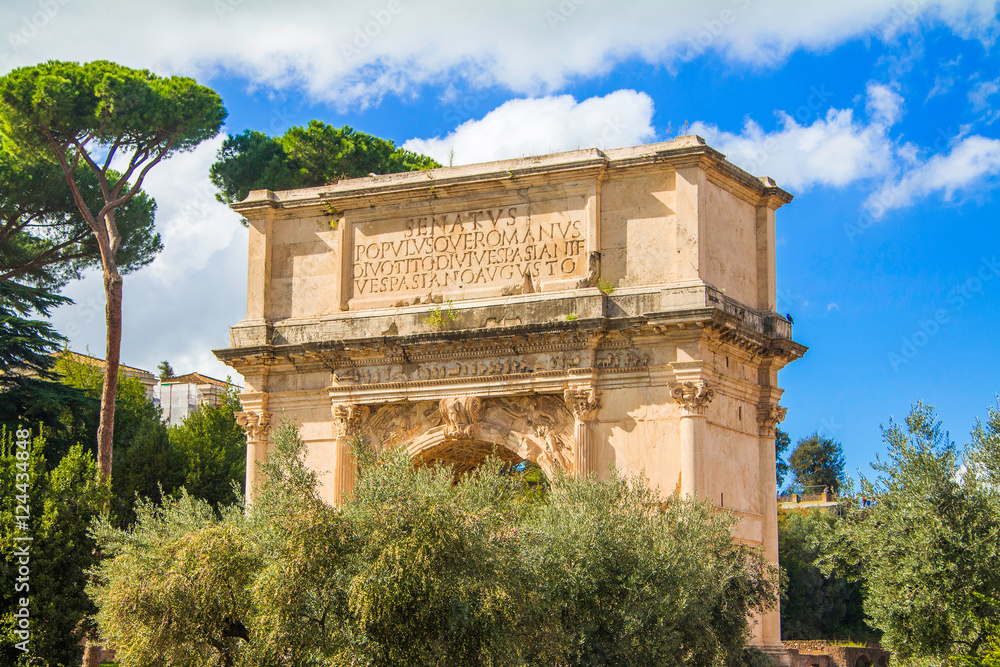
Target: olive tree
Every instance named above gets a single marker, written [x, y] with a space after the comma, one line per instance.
[928, 547]
[422, 568]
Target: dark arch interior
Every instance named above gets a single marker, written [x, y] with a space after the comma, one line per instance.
[466, 455]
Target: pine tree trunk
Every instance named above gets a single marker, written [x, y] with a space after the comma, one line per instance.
[113, 315]
[92, 656]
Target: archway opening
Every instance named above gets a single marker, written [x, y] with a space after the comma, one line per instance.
[466, 455]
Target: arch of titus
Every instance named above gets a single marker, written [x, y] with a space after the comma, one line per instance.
[578, 309]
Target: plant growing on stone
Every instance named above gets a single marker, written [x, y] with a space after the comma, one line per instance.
[606, 286]
[438, 318]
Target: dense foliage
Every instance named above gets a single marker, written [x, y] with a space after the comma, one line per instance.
[928, 548]
[815, 605]
[212, 449]
[817, 463]
[419, 568]
[781, 444]
[61, 503]
[30, 390]
[305, 157]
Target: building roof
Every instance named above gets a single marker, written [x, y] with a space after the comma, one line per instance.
[94, 361]
[196, 378]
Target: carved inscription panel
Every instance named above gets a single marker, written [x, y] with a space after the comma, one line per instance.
[466, 253]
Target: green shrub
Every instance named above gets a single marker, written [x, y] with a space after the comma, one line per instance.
[419, 568]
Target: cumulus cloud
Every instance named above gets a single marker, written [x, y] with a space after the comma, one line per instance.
[354, 53]
[536, 126]
[970, 161]
[840, 149]
[836, 149]
[885, 105]
[193, 224]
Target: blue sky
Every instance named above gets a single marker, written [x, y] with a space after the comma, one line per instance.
[880, 117]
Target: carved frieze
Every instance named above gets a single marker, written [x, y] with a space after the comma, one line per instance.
[474, 368]
[397, 423]
[460, 415]
[626, 359]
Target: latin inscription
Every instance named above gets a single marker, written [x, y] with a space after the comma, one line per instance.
[466, 250]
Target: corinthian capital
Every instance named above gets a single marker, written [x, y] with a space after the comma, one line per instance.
[256, 424]
[348, 418]
[769, 415]
[693, 396]
[582, 403]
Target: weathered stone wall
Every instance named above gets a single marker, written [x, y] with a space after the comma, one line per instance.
[578, 310]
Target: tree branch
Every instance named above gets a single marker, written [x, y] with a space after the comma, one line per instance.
[111, 153]
[138, 182]
[101, 178]
[43, 259]
[133, 163]
[68, 173]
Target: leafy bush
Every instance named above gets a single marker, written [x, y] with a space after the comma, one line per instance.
[422, 569]
[61, 504]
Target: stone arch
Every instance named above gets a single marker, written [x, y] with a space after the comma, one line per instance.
[863, 661]
[463, 429]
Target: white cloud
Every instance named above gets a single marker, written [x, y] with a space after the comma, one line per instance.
[971, 160]
[839, 149]
[537, 126]
[356, 52]
[193, 224]
[980, 96]
[179, 307]
[885, 106]
[835, 150]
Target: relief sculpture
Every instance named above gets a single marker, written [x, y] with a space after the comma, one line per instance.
[629, 359]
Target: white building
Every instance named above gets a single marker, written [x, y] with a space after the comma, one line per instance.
[181, 395]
